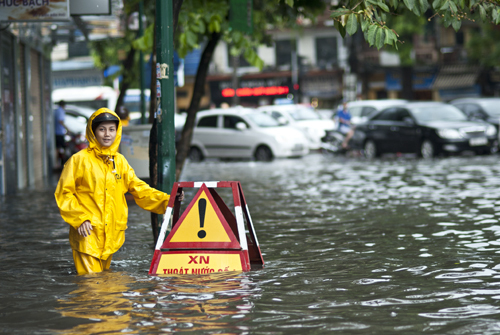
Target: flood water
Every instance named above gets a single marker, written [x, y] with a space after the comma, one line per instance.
[391, 246]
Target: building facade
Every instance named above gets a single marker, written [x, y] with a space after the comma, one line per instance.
[26, 122]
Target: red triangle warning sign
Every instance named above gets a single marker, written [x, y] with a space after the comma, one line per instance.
[202, 226]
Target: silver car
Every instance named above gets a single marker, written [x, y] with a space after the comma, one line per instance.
[242, 133]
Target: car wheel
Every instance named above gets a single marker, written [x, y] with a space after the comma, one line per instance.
[263, 154]
[195, 155]
[427, 149]
[370, 149]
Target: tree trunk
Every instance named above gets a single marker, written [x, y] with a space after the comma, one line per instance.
[198, 91]
[407, 82]
[127, 64]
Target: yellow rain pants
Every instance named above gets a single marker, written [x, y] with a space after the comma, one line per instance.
[88, 264]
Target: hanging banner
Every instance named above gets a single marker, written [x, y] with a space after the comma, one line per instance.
[34, 10]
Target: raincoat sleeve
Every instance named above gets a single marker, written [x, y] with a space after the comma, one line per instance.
[71, 210]
[144, 195]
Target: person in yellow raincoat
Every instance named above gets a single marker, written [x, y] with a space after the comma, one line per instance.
[91, 191]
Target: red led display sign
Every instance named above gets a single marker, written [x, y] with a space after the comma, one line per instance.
[256, 91]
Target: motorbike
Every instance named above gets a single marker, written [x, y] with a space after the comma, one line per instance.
[332, 142]
[74, 142]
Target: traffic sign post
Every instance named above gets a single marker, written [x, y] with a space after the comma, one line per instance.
[208, 237]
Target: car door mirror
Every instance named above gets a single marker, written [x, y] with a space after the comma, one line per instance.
[241, 126]
[409, 121]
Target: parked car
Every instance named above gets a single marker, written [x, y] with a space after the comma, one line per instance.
[243, 133]
[362, 109]
[303, 118]
[485, 109]
[425, 128]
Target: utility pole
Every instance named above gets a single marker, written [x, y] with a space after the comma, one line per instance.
[141, 65]
[165, 107]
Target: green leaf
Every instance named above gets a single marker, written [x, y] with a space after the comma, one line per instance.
[259, 63]
[424, 5]
[497, 16]
[372, 34]
[453, 7]
[340, 28]
[352, 24]
[482, 12]
[383, 6]
[390, 37]
[444, 6]
[289, 3]
[191, 38]
[379, 38]
[364, 24]
[339, 12]
[456, 25]
[410, 4]
[437, 3]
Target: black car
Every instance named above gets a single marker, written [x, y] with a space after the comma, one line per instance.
[485, 109]
[425, 128]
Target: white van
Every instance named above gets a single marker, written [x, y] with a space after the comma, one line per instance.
[93, 97]
[301, 117]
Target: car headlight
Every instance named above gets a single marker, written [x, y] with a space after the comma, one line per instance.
[449, 133]
[491, 130]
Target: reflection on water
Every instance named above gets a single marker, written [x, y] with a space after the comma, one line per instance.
[114, 302]
[101, 301]
[353, 246]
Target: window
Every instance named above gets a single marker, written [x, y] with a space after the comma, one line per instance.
[390, 114]
[326, 52]
[284, 50]
[208, 122]
[368, 111]
[230, 121]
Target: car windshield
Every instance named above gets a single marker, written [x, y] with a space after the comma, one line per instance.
[438, 113]
[491, 107]
[301, 114]
[263, 120]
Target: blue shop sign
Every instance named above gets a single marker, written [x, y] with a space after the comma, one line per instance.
[421, 80]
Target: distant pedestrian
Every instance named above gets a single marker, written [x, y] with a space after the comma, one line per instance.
[60, 131]
[124, 115]
[60, 127]
[91, 195]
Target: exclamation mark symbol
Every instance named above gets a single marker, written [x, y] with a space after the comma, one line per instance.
[202, 206]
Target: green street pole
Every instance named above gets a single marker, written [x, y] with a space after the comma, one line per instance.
[141, 65]
[165, 94]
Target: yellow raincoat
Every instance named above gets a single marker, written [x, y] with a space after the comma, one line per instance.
[92, 187]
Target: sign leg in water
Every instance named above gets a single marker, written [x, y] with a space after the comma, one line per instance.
[208, 237]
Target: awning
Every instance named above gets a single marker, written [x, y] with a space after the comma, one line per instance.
[456, 76]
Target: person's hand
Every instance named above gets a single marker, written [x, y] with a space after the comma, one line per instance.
[85, 229]
[180, 196]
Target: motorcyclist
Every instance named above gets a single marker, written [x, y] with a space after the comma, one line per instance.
[344, 125]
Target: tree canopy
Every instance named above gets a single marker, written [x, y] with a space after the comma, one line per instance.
[371, 16]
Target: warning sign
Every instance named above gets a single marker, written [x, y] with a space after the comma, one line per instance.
[208, 237]
[198, 263]
[202, 226]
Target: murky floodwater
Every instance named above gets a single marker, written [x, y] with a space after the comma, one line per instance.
[391, 246]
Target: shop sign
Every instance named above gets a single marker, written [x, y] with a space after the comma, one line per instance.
[34, 10]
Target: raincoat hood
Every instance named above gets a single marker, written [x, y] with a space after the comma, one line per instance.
[94, 144]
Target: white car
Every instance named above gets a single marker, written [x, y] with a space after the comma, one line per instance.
[303, 118]
[362, 109]
[240, 132]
